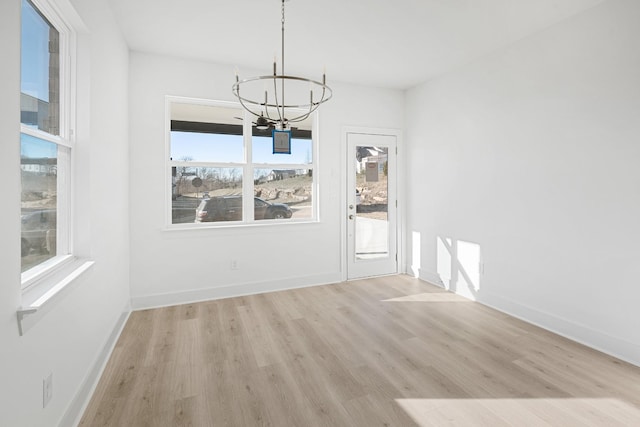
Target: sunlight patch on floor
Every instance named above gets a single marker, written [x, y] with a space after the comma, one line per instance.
[564, 412]
[430, 297]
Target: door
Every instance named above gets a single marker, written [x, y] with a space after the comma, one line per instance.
[371, 205]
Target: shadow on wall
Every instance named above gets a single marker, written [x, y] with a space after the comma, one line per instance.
[460, 266]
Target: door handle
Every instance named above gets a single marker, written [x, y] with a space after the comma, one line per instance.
[350, 216]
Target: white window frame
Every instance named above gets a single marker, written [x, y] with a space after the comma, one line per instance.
[247, 167]
[64, 239]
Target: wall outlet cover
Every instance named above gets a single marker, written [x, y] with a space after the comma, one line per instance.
[47, 390]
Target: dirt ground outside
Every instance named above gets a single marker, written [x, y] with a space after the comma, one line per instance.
[296, 192]
[373, 197]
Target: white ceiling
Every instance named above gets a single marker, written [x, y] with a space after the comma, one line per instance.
[383, 43]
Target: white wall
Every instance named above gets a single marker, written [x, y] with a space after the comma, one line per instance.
[71, 337]
[528, 159]
[168, 267]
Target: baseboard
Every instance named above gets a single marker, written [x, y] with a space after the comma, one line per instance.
[430, 277]
[229, 291]
[76, 409]
[613, 346]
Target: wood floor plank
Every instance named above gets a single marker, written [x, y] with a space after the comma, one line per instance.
[337, 375]
[388, 351]
[287, 403]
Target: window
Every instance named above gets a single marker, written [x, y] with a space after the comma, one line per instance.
[45, 142]
[223, 169]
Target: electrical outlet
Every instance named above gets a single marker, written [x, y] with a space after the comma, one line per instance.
[47, 390]
[234, 264]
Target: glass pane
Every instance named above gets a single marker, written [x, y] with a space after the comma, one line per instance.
[287, 191]
[206, 133]
[220, 208]
[38, 164]
[301, 151]
[206, 147]
[372, 204]
[193, 185]
[40, 72]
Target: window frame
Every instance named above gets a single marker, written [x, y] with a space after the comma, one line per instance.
[247, 167]
[66, 139]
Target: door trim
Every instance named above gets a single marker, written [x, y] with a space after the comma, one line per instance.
[400, 194]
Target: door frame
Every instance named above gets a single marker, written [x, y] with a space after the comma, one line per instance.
[400, 194]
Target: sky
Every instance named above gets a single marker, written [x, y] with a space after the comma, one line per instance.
[36, 148]
[34, 75]
[207, 147]
[34, 54]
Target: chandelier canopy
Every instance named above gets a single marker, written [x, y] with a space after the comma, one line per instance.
[265, 97]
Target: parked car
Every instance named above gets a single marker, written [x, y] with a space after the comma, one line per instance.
[229, 208]
[38, 231]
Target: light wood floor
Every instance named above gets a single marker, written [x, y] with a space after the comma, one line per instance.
[389, 351]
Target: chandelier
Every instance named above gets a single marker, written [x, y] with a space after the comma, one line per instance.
[274, 107]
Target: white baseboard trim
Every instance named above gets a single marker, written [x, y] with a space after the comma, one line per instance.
[613, 346]
[430, 277]
[229, 291]
[74, 412]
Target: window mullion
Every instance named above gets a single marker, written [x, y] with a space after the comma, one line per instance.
[45, 135]
[247, 182]
[205, 164]
[283, 165]
[64, 202]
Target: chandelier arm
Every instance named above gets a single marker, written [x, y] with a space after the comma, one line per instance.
[251, 105]
[300, 118]
[266, 105]
[310, 104]
[304, 116]
[276, 76]
[266, 112]
[247, 108]
[265, 109]
[236, 92]
[275, 95]
[257, 104]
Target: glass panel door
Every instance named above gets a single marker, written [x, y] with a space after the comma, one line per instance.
[371, 210]
[372, 202]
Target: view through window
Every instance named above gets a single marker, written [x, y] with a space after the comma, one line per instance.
[222, 171]
[44, 148]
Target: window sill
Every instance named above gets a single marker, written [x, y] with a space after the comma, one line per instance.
[44, 290]
[222, 225]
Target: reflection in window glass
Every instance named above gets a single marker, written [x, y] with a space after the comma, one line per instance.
[220, 208]
[206, 147]
[214, 144]
[39, 168]
[289, 191]
[192, 185]
[40, 72]
[372, 209]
